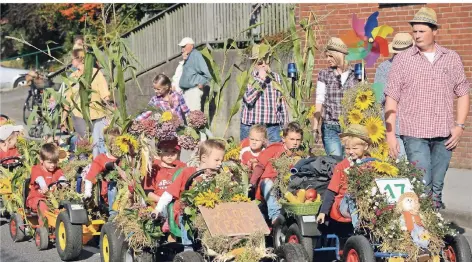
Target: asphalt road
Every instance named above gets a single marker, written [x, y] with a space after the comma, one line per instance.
[11, 103]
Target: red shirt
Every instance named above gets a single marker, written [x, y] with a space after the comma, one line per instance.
[49, 177]
[161, 177]
[338, 185]
[9, 153]
[425, 91]
[97, 167]
[271, 152]
[178, 186]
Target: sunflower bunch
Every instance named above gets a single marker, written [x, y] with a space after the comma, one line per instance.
[360, 107]
[240, 198]
[207, 199]
[124, 144]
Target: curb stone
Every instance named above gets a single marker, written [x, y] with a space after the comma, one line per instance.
[460, 218]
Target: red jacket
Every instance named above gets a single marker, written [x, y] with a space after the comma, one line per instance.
[177, 187]
[9, 153]
[338, 185]
[264, 168]
[160, 177]
[49, 177]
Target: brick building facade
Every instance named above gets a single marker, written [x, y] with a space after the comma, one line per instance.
[455, 33]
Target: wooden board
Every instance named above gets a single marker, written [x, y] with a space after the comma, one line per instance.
[234, 219]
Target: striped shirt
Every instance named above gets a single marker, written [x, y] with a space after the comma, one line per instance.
[425, 91]
[176, 104]
[263, 104]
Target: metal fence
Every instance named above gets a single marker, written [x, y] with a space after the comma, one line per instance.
[155, 41]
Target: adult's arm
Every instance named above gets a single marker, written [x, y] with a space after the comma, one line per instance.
[395, 82]
[252, 93]
[202, 68]
[319, 100]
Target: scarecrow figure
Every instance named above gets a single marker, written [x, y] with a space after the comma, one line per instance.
[408, 205]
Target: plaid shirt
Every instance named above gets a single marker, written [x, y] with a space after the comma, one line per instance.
[425, 91]
[266, 106]
[334, 93]
[176, 104]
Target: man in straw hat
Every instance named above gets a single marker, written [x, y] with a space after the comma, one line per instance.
[400, 43]
[262, 103]
[422, 85]
[330, 87]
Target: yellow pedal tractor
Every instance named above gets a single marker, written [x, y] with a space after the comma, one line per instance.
[64, 225]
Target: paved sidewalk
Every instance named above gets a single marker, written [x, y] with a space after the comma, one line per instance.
[457, 196]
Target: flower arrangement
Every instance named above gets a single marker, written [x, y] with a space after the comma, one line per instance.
[359, 107]
[381, 219]
[283, 164]
[84, 146]
[233, 150]
[197, 119]
[148, 127]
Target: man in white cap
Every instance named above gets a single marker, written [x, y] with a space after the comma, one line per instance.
[195, 75]
[8, 138]
[400, 43]
[422, 85]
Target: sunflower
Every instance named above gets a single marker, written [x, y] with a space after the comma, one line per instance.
[425, 236]
[232, 154]
[127, 143]
[383, 147]
[378, 154]
[386, 168]
[375, 128]
[207, 199]
[355, 116]
[166, 116]
[364, 99]
[63, 155]
[240, 198]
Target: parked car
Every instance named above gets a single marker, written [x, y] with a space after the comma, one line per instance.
[12, 77]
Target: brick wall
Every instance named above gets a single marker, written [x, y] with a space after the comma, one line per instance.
[455, 33]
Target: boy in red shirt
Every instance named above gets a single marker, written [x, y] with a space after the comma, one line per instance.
[335, 201]
[99, 165]
[264, 173]
[8, 138]
[211, 154]
[252, 146]
[163, 169]
[42, 176]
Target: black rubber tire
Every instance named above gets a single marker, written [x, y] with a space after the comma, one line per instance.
[41, 238]
[20, 234]
[461, 248]
[306, 242]
[188, 256]
[116, 242]
[18, 81]
[72, 235]
[143, 256]
[291, 252]
[362, 246]
[27, 109]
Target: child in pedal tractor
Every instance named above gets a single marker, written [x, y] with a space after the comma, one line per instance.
[336, 203]
[211, 154]
[43, 175]
[264, 174]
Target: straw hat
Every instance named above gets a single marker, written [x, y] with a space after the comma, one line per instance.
[401, 42]
[336, 44]
[425, 15]
[357, 130]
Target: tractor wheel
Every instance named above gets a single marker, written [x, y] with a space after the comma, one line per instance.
[358, 249]
[68, 237]
[291, 252]
[457, 249]
[111, 243]
[294, 235]
[188, 256]
[41, 238]
[17, 229]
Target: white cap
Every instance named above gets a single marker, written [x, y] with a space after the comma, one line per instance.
[186, 41]
[7, 130]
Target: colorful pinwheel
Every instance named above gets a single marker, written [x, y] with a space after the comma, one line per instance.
[367, 40]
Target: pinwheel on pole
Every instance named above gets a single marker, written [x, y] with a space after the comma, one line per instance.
[367, 40]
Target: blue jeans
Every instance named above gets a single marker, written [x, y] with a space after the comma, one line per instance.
[112, 190]
[273, 206]
[273, 132]
[183, 232]
[402, 146]
[331, 141]
[431, 156]
[348, 209]
[98, 138]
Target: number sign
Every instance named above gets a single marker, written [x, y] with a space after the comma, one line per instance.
[393, 187]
